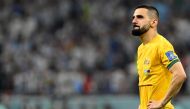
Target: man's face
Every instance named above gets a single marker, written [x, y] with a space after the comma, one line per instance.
[140, 22]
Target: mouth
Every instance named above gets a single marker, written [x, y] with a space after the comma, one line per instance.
[136, 27]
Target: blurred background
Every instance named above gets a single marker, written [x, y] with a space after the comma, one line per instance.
[80, 54]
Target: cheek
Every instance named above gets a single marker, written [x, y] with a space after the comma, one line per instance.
[142, 23]
[145, 24]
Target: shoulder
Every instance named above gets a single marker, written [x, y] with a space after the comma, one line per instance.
[163, 42]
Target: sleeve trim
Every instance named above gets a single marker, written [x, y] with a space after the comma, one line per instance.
[172, 63]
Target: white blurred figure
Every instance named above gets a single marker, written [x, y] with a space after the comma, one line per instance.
[118, 81]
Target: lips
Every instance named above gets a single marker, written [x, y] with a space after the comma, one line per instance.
[136, 27]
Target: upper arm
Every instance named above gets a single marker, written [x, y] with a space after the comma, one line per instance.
[170, 60]
[178, 70]
[167, 55]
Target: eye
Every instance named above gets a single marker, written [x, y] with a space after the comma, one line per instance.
[140, 16]
[133, 17]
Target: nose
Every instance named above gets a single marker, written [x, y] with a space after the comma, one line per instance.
[134, 21]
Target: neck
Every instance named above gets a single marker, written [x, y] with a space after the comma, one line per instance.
[148, 36]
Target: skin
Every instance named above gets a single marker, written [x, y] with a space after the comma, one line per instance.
[142, 17]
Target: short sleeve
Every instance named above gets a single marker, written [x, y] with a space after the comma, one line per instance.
[167, 55]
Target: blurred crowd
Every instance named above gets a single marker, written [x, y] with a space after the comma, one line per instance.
[62, 47]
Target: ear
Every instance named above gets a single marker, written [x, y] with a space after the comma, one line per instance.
[154, 23]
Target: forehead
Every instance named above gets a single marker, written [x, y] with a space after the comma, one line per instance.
[140, 11]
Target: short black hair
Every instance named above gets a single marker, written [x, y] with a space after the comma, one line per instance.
[150, 8]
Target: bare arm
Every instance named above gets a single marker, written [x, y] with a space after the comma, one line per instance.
[179, 77]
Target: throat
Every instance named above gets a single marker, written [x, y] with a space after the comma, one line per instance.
[147, 38]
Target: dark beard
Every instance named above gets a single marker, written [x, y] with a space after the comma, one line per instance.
[140, 31]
